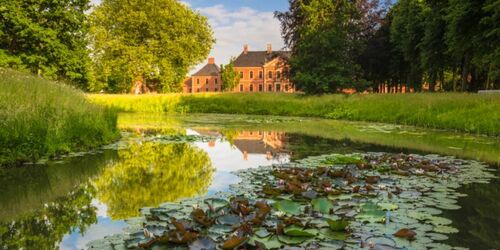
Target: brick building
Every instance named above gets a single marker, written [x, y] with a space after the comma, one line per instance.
[260, 71]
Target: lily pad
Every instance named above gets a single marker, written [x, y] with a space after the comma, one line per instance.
[298, 231]
[338, 225]
[203, 243]
[288, 207]
[322, 205]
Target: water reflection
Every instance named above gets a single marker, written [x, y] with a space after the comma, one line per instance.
[150, 173]
[87, 196]
[44, 228]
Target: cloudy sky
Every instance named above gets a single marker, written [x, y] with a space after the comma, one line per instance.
[238, 22]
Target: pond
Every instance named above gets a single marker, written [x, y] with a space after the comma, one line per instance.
[67, 203]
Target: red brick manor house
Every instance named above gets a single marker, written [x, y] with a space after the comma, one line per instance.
[260, 71]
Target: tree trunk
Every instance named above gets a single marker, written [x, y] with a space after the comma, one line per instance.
[465, 73]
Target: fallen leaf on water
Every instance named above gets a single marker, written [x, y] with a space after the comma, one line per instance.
[405, 233]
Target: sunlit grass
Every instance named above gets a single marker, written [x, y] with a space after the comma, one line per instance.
[42, 118]
[466, 112]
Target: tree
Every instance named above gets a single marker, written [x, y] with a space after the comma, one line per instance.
[229, 76]
[326, 39]
[148, 43]
[47, 38]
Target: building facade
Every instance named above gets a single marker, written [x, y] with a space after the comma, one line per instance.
[260, 71]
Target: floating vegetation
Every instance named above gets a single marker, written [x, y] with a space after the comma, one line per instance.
[373, 201]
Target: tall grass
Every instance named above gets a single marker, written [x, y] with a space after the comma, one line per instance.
[43, 118]
[473, 113]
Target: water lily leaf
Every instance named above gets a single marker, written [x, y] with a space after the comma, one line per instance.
[338, 225]
[229, 219]
[322, 205]
[262, 233]
[405, 233]
[203, 243]
[216, 203]
[445, 229]
[298, 231]
[234, 242]
[333, 235]
[271, 242]
[292, 240]
[435, 220]
[288, 207]
[388, 206]
[311, 194]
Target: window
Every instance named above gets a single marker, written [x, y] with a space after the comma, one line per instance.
[198, 81]
[206, 89]
[260, 87]
[278, 74]
[190, 90]
[270, 88]
[241, 87]
[216, 90]
[198, 90]
[251, 74]
[216, 80]
[278, 88]
[260, 74]
[251, 87]
[206, 81]
[270, 74]
[286, 88]
[241, 74]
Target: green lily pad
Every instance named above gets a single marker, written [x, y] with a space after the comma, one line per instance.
[388, 206]
[298, 231]
[271, 242]
[292, 240]
[322, 205]
[338, 225]
[288, 207]
[333, 235]
[445, 229]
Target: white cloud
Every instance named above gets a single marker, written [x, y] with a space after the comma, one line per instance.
[232, 29]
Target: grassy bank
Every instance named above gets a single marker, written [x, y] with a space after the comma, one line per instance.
[41, 118]
[473, 113]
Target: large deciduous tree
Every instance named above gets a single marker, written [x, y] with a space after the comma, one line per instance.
[46, 37]
[326, 38]
[146, 45]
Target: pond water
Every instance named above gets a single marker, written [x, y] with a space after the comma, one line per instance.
[68, 202]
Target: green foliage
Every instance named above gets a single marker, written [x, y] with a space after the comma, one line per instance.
[229, 76]
[150, 173]
[43, 118]
[474, 113]
[153, 42]
[47, 38]
[325, 41]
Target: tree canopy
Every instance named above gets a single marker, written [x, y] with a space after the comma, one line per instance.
[417, 44]
[148, 43]
[47, 38]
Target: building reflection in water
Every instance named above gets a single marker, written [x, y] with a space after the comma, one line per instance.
[271, 144]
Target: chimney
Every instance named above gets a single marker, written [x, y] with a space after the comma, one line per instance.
[269, 48]
[211, 60]
[245, 49]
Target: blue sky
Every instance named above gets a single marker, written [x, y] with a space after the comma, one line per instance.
[259, 5]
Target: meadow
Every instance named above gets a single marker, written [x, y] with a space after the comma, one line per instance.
[41, 118]
[464, 112]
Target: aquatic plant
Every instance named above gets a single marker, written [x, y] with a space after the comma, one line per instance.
[372, 200]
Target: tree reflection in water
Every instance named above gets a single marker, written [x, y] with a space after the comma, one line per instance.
[45, 227]
[150, 173]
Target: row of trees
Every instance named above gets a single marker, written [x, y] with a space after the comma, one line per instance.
[115, 46]
[338, 44]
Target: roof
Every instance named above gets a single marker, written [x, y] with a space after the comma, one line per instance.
[210, 69]
[258, 58]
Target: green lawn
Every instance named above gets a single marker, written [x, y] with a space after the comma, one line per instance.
[465, 112]
[41, 118]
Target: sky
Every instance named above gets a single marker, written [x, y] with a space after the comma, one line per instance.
[238, 22]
